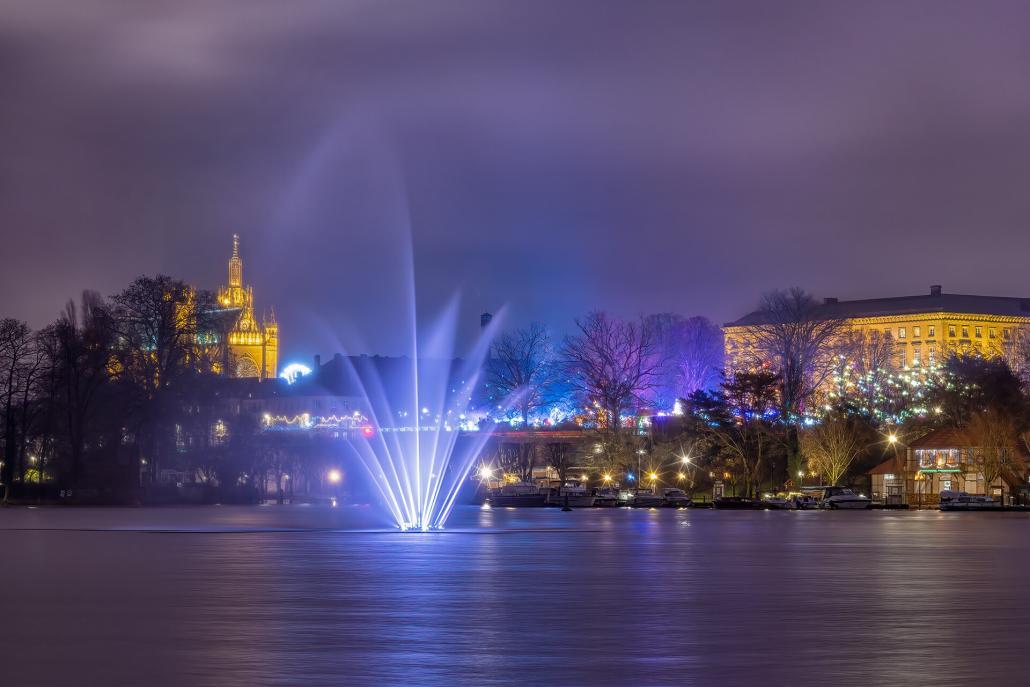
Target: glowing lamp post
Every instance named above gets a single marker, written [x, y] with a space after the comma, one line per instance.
[334, 477]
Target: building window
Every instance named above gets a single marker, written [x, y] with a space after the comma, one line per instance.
[931, 331]
[916, 357]
[965, 332]
[931, 356]
[992, 333]
[951, 330]
[901, 332]
[917, 332]
[1006, 333]
[979, 331]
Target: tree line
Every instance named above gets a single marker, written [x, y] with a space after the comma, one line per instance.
[114, 390]
[807, 397]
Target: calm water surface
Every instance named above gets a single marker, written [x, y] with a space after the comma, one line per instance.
[292, 595]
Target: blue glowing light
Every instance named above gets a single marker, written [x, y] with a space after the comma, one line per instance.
[294, 371]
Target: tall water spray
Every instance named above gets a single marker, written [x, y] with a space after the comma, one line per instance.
[417, 441]
[411, 450]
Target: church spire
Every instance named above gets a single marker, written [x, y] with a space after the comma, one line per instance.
[235, 264]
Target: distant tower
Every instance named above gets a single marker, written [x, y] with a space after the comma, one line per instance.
[484, 320]
[271, 328]
[235, 264]
[253, 347]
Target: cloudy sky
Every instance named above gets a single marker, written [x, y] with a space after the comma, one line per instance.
[551, 156]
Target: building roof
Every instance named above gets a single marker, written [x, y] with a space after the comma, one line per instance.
[944, 437]
[933, 302]
[950, 437]
[887, 467]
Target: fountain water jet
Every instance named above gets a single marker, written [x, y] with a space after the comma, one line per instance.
[412, 453]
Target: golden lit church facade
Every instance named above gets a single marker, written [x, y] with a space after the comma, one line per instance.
[253, 347]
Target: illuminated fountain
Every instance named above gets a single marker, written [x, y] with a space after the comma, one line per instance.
[413, 434]
[411, 448]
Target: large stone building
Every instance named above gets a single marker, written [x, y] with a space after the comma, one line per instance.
[253, 346]
[924, 329]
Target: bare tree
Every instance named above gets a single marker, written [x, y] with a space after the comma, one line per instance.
[798, 339]
[1017, 352]
[691, 353]
[517, 459]
[522, 369]
[612, 363]
[79, 352]
[990, 435]
[832, 446]
[559, 457]
[17, 344]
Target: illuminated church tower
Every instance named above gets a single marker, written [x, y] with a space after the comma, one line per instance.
[253, 347]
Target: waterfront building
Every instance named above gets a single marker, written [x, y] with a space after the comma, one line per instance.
[944, 460]
[253, 347]
[924, 329]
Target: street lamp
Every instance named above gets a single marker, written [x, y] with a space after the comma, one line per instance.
[334, 476]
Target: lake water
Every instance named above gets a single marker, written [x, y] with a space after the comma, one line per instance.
[293, 595]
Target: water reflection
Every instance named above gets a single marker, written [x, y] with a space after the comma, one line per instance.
[281, 596]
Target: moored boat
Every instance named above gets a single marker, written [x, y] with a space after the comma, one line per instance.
[518, 494]
[777, 503]
[961, 501]
[571, 494]
[837, 498]
[675, 498]
[805, 502]
[606, 497]
[647, 499]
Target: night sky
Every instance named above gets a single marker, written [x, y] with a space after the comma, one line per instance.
[552, 156]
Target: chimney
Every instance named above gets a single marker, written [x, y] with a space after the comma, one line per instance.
[935, 290]
[484, 320]
[829, 301]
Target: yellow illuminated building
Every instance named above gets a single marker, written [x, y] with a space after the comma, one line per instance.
[924, 329]
[253, 346]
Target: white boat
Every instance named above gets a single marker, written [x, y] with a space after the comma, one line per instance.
[835, 498]
[777, 503]
[647, 499]
[805, 502]
[572, 494]
[677, 498]
[517, 494]
[606, 497]
[960, 500]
